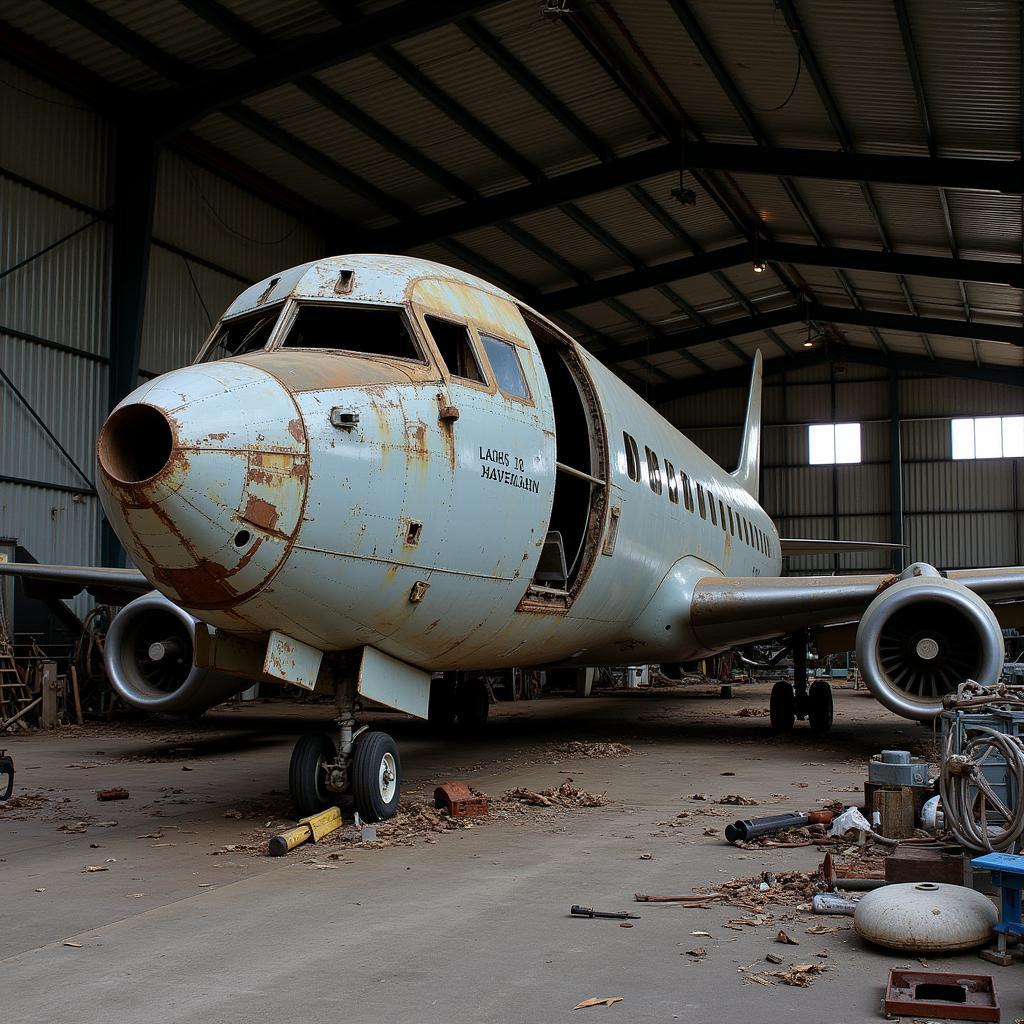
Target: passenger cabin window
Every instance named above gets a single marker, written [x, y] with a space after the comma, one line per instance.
[456, 347]
[700, 502]
[711, 508]
[632, 457]
[732, 522]
[241, 334]
[508, 371]
[721, 512]
[365, 330]
[653, 471]
[687, 493]
[673, 483]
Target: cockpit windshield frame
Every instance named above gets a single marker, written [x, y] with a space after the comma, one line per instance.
[294, 307]
[272, 310]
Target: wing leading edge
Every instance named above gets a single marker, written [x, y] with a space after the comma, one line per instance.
[65, 581]
[741, 609]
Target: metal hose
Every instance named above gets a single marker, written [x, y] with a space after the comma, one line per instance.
[963, 772]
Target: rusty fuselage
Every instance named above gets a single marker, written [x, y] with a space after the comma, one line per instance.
[350, 499]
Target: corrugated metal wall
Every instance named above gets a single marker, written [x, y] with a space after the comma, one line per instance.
[55, 162]
[956, 514]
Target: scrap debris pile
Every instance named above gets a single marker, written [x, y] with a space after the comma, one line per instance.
[565, 795]
[580, 748]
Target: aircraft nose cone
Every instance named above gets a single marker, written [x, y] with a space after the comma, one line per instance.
[203, 478]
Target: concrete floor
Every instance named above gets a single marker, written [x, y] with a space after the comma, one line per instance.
[472, 927]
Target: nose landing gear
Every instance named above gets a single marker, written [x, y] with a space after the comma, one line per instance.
[364, 764]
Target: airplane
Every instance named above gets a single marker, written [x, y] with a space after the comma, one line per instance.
[379, 469]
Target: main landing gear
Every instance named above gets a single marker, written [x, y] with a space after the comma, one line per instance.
[789, 702]
[363, 764]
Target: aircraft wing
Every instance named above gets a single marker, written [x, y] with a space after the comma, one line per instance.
[740, 609]
[65, 581]
[806, 546]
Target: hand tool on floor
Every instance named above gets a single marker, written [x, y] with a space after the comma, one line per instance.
[620, 915]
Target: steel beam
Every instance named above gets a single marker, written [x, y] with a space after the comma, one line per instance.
[936, 172]
[739, 376]
[940, 172]
[182, 107]
[988, 271]
[877, 319]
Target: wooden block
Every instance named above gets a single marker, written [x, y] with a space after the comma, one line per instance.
[48, 691]
[922, 794]
[896, 806]
[916, 864]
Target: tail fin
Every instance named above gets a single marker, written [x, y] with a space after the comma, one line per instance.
[747, 473]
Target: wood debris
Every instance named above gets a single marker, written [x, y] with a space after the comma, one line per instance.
[565, 795]
[90, 869]
[785, 939]
[736, 799]
[606, 1001]
[579, 748]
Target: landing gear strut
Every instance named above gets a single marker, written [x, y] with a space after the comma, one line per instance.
[791, 702]
[363, 764]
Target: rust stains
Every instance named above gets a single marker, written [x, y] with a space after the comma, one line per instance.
[261, 513]
[296, 429]
[300, 371]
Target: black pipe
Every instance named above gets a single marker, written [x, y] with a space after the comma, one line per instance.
[752, 828]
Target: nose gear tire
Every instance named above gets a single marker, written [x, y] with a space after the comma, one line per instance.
[306, 777]
[376, 776]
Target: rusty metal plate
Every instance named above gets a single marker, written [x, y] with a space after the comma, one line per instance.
[941, 994]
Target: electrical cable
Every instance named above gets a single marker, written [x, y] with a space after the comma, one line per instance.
[967, 794]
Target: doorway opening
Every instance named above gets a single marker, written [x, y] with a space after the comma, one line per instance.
[581, 492]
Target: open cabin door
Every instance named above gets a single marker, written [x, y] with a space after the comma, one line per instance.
[573, 536]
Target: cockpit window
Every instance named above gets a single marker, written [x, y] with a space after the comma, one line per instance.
[242, 334]
[371, 331]
[456, 348]
[507, 369]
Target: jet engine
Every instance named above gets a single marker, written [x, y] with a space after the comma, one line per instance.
[149, 657]
[923, 636]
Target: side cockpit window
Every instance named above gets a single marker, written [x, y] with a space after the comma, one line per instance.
[508, 371]
[240, 334]
[364, 330]
[454, 343]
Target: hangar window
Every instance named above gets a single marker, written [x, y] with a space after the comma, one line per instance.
[632, 457]
[365, 330]
[673, 483]
[456, 347]
[653, 470]
[687, 493]
[829, 444]
[988, 437]
[700, 502]
[508, 371]
[241, 334]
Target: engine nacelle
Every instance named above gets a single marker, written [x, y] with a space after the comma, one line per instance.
[150, 659]
[922, 637]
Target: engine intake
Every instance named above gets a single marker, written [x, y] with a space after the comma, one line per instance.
[922, 637]
[149, 657]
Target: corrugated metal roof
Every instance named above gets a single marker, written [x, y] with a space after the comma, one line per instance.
[970, 64]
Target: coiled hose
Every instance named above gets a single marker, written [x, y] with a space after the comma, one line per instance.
[965, 812]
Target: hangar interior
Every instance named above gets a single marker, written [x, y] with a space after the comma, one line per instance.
[678, 184]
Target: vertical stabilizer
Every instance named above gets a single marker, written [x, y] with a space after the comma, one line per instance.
[747, 474]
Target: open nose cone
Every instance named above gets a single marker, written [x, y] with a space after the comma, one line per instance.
[135, 443]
